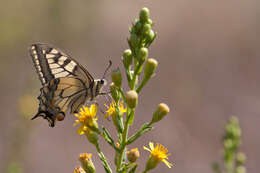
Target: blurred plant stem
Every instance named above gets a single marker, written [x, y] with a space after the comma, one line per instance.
[233, 159]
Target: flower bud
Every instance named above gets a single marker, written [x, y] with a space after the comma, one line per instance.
[150, 67]
[150, 22]
[92, 136]
[144, 15]
[160, 112]
[234, 120]
[127, 58]
[147, 27]
[133, 155]
[114, 92]
[228, 143]
[151, 163]
[116, 77]
[142, 54]
[241, 158]
[240, 169]
[79, 170]
[133, 40]
[137, 26]
[233, 130]
[131, 98]
[87, 163]
[150, 36]
[117, 154]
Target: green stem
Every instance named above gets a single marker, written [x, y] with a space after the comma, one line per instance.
[128, 74]
[123, 144]
[139, 88]
[132, 82]
[122, 94]
[103, 159]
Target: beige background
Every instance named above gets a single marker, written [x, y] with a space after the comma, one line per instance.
[208, 70]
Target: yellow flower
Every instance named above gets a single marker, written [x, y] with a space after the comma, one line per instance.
[159, 153]
[86, 119]
[84, 157]
[79, 170]
[111, 109]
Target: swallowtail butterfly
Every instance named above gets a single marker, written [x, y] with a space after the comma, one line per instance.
[65, 83]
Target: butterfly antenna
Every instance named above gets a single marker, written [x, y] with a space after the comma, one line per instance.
[109, 65]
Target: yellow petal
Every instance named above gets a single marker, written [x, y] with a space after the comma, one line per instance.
[86, 110]
[80, 131]
[106, 106]
[81, 110]
[106, 116]
[145, 148]
[76, 123]
[151, 145]
[167, 163]
[93, 109]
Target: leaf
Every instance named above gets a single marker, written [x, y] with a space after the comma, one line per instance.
[145, 128]
[109, 139]
[132, 170]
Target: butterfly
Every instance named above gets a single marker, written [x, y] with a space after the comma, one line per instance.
[66, 84]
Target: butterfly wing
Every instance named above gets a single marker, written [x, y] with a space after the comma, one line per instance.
[58, 96]
[51, 63]
[65, 82]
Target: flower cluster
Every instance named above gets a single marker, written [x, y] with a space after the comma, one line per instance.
[139, 69]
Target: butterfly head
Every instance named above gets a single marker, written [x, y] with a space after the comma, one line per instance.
[100, 83]
[98, 86]
[103, 82]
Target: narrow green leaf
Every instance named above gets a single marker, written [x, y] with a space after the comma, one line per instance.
[145, 128]
[133, 169]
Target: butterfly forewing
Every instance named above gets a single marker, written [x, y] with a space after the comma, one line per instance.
[52, 63]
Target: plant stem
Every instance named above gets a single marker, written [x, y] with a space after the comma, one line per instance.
[123, 144]
[139, 88]
[122, 94]
[103, 159]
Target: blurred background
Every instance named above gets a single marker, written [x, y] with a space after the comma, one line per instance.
[208, 70]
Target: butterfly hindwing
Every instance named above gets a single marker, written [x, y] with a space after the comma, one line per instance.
[68, 92]
[60, 95]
